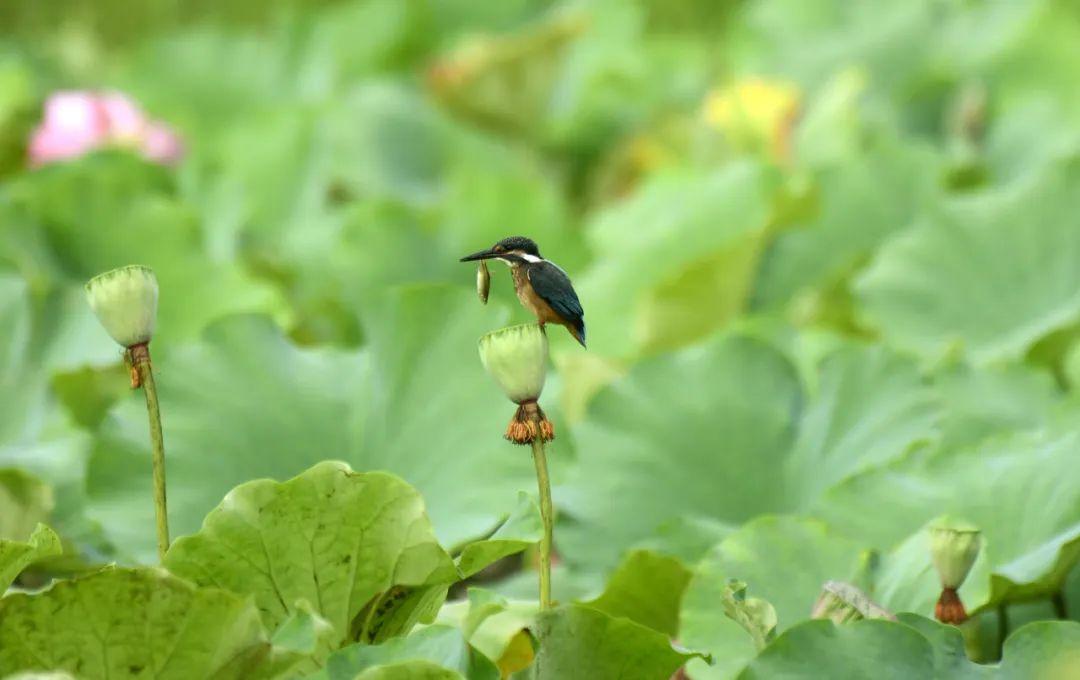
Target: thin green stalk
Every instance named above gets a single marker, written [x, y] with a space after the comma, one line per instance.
[542, 480]
[365, 629]
[141, 357]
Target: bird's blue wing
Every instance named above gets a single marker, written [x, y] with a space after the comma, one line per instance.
[554, 287]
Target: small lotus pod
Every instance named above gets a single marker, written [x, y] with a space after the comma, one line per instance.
[125, 302]
[842, 602]
[516, 357]
[483, 281]
[954, 546]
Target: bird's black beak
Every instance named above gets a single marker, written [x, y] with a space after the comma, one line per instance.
[482, 255]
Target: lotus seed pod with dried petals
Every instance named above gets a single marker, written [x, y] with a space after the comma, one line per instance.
[516, 357]
[954, 546]
[125, 302]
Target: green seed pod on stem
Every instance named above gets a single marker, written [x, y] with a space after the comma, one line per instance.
[125, 302]
[516, 357]
[954, 547]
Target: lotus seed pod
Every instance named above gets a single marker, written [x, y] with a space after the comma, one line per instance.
[516, 357]
[954, 546]
[483, 281]
[125, 302]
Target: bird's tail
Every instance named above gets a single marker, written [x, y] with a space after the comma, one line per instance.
[578, 331]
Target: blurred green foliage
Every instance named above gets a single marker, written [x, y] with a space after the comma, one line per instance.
[828, 251]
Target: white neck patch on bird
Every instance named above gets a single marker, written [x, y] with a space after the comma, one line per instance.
[528, 257]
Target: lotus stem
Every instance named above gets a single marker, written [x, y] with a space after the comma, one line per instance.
[544, 484]
[140, 357]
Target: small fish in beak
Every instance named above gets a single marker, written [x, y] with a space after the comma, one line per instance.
[483, 281]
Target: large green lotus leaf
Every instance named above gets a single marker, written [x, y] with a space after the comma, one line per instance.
[25, 501]
[864, 649]
[22, 391]
[1010, 152]
[17, 555]
[1050, 44]
[287, 174]
[389, 141]
[441, 645]
[864, 196]
[950, 655]
[988, 275]
[522, 529]
[991, 485]
[761, 554]
[914, 648]
[869, 407]
[91, 208]
[808, 40]
[121, 623]
[656, 283]
[686, 538]
[492, 624]
[579, 643]
[215, 79]
[330, 536]
[647, 588]
[703, 432]
[1044, 649]
[43, 333]
[241, 404]
[977, 403]
[300, 644]
[482, 604]
[717, 431]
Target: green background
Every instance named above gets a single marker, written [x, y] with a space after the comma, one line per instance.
[828, 251]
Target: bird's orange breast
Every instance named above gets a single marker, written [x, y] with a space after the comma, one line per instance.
[533, 302]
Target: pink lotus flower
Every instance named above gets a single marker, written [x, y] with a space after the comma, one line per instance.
[77, 122]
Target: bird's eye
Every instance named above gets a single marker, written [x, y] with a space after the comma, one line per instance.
[498, 248]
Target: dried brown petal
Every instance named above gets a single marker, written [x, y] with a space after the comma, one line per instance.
[949, 608]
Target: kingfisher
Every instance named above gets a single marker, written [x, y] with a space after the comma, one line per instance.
[542, 286]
